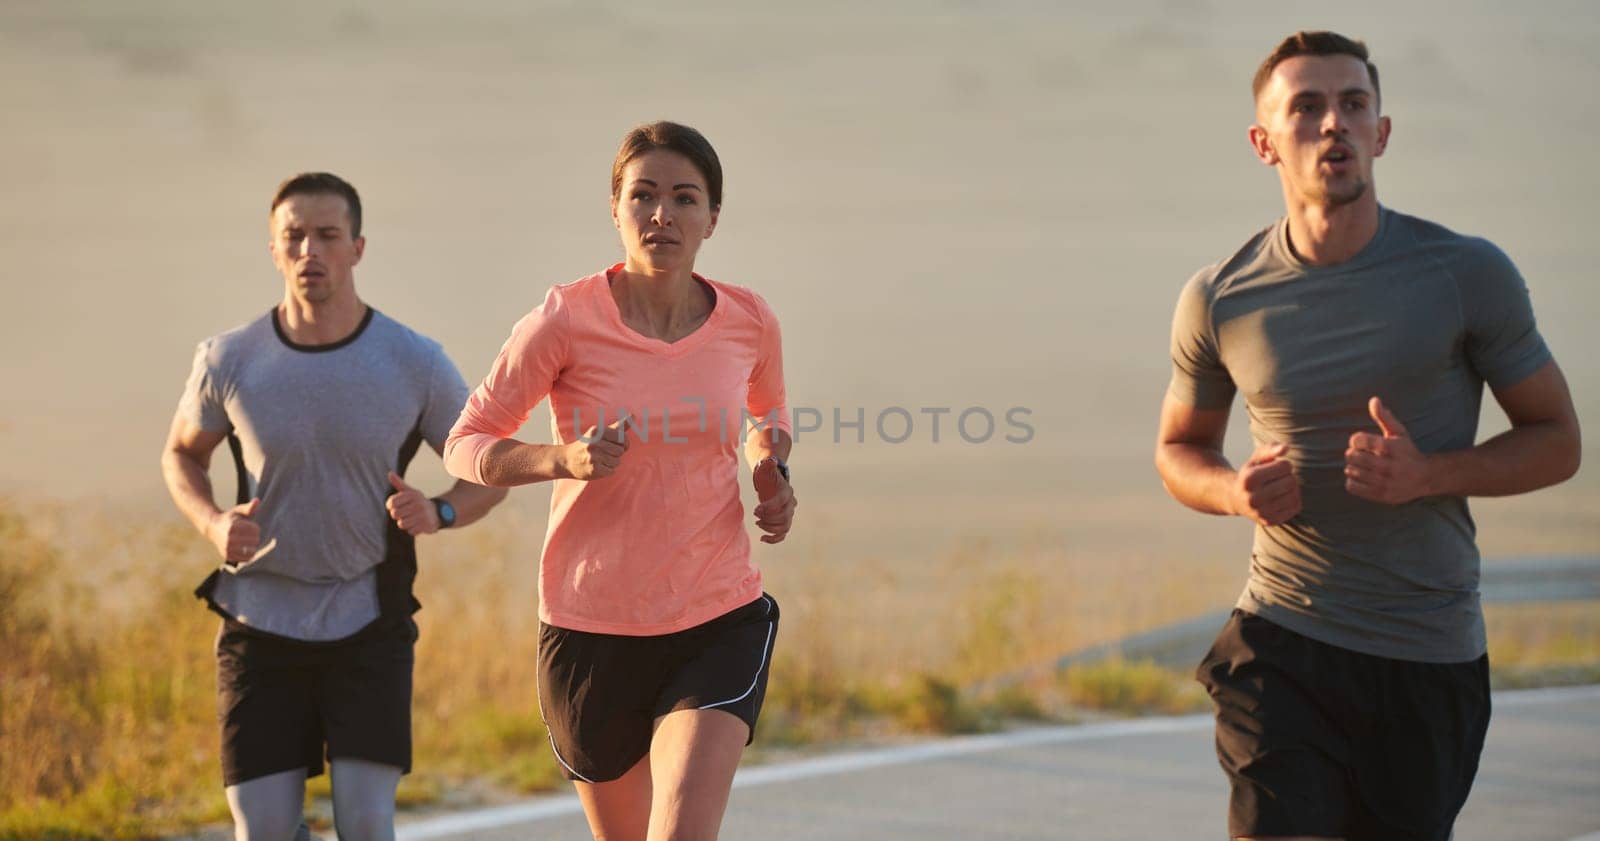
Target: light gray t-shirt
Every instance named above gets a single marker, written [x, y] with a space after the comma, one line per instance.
[1421, 318]
[314, 432]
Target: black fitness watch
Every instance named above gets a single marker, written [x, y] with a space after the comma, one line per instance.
[447, 512]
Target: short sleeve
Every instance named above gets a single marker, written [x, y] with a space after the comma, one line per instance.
[1199, 378]
[522, 375]
[1502, 341]
[447, 394]
[768, 396]
[203, 399]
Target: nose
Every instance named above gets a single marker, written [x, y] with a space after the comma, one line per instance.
[1333, 121]
[662, 215]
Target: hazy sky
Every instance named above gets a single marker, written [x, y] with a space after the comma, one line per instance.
[948, 204]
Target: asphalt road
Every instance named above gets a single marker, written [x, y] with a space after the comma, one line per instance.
[1141, 779]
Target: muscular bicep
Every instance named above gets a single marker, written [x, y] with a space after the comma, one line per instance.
[1540, 397]
[1183, 423]
[186, 440]
[1189, 455]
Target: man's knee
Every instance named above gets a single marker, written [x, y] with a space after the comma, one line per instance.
[364, 822]
[269, 828]
[363, 799]
[268, 808]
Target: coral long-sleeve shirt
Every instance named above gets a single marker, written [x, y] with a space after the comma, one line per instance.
[660, 545]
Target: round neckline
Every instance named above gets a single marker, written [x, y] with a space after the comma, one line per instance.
[695, 338]
[1281, 243]
[283, 335]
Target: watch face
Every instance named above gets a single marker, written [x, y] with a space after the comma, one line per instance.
[447, 513]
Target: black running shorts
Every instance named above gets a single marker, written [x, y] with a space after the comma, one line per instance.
[600, 694]
[1324, 741]
[282, 702]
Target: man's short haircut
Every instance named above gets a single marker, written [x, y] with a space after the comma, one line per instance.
[1314, 43]
[321, 183]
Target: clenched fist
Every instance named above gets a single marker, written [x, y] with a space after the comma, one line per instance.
[775, 511]
[1387, 467]
[597, 454]
[235, 534]
[410, 508]
[1267, 490]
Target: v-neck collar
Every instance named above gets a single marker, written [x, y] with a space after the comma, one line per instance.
[699, 337]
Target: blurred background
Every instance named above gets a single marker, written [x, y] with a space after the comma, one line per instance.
[949, 205]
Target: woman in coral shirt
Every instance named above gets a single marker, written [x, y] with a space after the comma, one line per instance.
[655, 635]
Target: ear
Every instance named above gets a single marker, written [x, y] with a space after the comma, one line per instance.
[615, 222]
[713, 226]
[361, 248]
[1383, 136]
[1261, 144]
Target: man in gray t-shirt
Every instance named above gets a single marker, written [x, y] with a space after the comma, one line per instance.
[1351, 682]
[323, 402]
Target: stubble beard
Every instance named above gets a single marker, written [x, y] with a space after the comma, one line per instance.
[317, 293]
[1336, 195]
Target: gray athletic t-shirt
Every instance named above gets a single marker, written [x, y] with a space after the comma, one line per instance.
[1421, 318]
[315, 431]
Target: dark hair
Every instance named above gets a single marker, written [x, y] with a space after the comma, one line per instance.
[1314, 43]
[677, 138]
[321, 183]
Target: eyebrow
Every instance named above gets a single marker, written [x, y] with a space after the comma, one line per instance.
[685, 186]
[1318, 94]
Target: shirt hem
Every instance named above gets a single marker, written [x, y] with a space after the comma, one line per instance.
[572, 622]
[206, 592]
[1330, 634]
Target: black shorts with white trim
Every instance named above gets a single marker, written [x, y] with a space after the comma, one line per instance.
[600, 694]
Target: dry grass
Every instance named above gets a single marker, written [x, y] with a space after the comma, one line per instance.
[106, 722]
[107, 708]
[1544, 644]
[107, 698]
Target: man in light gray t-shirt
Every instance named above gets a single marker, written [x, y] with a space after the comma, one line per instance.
[1351, 683]
[323, 402]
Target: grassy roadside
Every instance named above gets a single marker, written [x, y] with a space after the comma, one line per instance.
[107, 716]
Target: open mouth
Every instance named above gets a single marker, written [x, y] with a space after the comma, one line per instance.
[1337, 155]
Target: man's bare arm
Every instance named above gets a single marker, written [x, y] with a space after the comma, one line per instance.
[184, 462]
[1190, 461]
[1543, 447]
